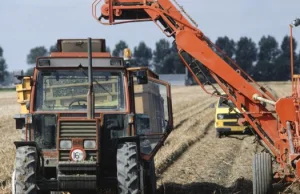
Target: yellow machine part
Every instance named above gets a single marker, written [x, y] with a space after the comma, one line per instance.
[219, 123]
[23, 94]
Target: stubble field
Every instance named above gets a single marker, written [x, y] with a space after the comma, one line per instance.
[192, 160]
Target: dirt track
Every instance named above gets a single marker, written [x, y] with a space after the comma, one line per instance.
[199, 160]
[8, 134]
[193, 160]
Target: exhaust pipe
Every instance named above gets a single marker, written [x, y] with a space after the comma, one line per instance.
[90, 94]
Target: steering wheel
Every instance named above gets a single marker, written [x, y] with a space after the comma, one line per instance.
[78, 101]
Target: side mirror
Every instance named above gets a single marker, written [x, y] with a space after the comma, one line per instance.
[212, 105]
[18, 76]
[142, 77]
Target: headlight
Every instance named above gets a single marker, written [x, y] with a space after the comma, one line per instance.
[89, 144]
[65, 144]
[220, 116]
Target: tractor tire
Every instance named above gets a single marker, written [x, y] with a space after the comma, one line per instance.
[262, 173]
[24, 175]
[127, 168]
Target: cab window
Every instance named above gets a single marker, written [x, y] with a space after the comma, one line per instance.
[66, 90]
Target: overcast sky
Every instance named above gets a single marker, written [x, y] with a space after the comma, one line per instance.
[28, 23]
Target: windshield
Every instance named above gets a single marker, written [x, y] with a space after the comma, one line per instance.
[61, 90]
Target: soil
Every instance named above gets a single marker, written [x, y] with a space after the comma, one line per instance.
[194, 160]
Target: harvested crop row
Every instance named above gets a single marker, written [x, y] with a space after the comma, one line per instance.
[209, 164]
[190, 128]
[9, 134]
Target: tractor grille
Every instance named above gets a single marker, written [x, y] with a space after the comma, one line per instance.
[78, 130]
[81, 129]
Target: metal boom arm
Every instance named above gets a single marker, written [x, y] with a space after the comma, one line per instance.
[201, 56]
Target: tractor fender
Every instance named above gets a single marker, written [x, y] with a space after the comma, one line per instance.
[26, 143]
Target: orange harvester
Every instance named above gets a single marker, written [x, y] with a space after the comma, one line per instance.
[278, 129]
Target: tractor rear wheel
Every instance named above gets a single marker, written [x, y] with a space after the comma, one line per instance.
[262, 173]
[127, 168]
[24, 175]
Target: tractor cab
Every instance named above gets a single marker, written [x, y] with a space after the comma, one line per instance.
[86, 116]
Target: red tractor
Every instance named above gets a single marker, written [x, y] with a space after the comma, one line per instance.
[91, 122]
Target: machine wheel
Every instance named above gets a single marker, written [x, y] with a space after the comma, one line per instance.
[24, 176]
[262, 173]
[127, 168]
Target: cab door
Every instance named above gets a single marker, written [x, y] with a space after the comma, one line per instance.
[153, 115]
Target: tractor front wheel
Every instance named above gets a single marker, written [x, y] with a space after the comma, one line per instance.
[127, 168]
[262, 173]
[24, 175]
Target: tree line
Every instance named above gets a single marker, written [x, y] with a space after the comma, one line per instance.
[266, 61]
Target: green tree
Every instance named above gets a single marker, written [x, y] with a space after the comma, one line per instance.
[142, 54]
[166, 58]
[53, 48]
[246, 54]
[226, 45]
[162, 50]
[29, 71]
[176, 64]
[268, 49]
[268, 52]
[3, 67]
[39, 51]
[119, 47]
[286, 48]
[282, 72]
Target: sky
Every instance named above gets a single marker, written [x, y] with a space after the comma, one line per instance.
[29, 23]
